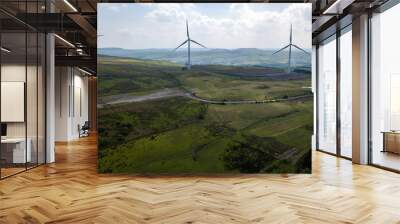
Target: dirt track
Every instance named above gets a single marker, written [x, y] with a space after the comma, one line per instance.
[168, 93]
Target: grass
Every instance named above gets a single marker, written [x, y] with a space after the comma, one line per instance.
[119, 75]
[122, 123]
[298, 115]
[169, 136]
[178, 135]
[219, 87]
[170, 152]
[138, 77]
[243, 115]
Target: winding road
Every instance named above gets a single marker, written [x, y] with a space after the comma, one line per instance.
[168, 93]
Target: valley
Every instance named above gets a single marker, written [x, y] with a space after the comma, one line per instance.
[156, 117]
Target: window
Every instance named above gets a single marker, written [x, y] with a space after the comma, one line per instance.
[327, 96]
[346, 92]
[385, 89]
[22, 87]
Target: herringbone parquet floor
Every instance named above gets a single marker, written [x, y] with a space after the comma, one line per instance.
[70, 191]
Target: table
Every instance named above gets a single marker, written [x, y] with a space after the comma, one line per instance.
[13, 150]
[391, 141]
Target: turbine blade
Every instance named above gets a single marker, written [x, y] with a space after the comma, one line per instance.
[281, 49]
[290, 33]
[300, 49]
[180, 45]
[187, 29]
[198, 43]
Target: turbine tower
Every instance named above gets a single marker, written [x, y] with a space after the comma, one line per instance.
[290, 49]
[188, 40]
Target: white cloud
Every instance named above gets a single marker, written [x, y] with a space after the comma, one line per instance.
[233, 25]
[115, 7]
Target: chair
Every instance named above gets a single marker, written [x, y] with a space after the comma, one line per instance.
[84, 130]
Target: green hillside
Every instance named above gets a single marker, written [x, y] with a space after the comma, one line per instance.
[122, 75]
[177, 134]
[138, 77]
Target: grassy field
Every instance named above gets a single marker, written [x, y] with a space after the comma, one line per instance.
[172, 151]
[220, 87]
[119, 75]
[138, 77]
[184, 136]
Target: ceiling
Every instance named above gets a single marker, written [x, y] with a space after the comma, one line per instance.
[74, 22]
[331, 15]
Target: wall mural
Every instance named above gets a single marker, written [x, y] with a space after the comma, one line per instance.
[204, 88]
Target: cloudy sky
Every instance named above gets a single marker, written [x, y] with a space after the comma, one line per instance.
[225, 25]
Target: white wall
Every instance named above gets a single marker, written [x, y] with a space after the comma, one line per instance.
[13, 101]
[71, 94]
[33, 126]
[9, 73]
[13, 72]
[80, 112]
[62, 82]
[17, 73]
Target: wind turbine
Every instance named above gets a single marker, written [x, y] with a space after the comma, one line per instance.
[290, 49]
[188, 40]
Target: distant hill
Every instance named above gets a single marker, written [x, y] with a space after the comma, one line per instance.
[201, 56]
[121, 75]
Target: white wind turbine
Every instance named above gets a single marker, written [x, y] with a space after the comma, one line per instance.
[188, 40]
[290, 49]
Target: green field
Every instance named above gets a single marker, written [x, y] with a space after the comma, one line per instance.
[219, 87]
[178, 135]
[119, 75]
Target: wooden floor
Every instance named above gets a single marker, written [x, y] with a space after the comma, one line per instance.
[70, 191]
[5, 172]
[387, 159]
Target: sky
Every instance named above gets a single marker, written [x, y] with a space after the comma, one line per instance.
[215, 25]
